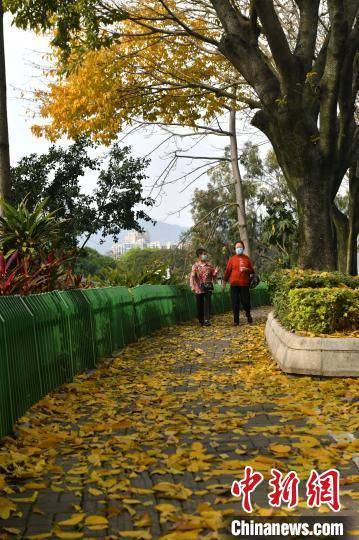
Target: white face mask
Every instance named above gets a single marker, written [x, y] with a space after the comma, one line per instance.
[204, 257]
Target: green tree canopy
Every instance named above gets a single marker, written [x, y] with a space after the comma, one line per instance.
[116, 202]
[91, 262]
[150, 265]
[271, 210]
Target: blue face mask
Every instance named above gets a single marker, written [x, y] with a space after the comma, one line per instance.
[239, 250]
[204, 257]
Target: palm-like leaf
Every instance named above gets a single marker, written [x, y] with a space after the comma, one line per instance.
[28, 231]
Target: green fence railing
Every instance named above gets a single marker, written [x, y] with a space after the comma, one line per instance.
[46, 339]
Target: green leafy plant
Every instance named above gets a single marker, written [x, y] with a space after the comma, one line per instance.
[31, 260]
[308, 300]
[28, 232]
[323, 310]
[155, 274]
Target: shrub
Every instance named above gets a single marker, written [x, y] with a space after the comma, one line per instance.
[28, 232]
[26, 274]
[322, 310]
[30, 258]
[309, 300]
[298, 279]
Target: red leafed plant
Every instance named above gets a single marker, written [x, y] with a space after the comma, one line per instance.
[31, 257]
[26, 274]
[8, 274]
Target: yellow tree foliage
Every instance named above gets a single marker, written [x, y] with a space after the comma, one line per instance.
[143, 77]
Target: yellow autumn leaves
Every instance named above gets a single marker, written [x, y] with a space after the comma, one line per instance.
[143, 76]
[6, 507]
[154, 438]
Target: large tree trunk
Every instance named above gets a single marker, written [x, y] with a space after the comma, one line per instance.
[306, 102]
[240, 200]
[4, 134]
[316, 240]
[309, 181]
[352, 256]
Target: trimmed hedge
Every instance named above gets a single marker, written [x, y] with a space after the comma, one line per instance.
[319, 302]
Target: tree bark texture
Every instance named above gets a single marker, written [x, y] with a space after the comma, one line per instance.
[240, 200]
[353, 226]
[4, 134]
[341, 224]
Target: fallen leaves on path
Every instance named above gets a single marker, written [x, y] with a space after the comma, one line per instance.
[155, 437]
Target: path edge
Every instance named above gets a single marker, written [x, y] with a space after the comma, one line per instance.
[328, 357]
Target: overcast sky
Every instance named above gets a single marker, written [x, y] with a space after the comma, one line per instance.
[24, 51]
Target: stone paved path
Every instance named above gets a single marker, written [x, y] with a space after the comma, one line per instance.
[152, 441]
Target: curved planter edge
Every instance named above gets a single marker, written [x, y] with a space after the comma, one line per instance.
[328, 357]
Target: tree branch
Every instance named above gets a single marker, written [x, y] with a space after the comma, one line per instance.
[187, 28]
[239, 44]
[307, 34]
[331, 79]
[213, 158]
[277, 40]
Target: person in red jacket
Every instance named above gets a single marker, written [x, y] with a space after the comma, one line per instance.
[238, 272]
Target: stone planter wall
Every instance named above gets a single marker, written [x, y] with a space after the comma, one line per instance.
[329, 357]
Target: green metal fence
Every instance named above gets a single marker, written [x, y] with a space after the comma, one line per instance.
[46, 339]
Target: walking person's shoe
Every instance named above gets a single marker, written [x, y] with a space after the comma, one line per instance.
[236, 323]
[207, 323]
[249, 318]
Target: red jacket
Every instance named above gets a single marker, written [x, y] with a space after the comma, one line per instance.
[235, 273]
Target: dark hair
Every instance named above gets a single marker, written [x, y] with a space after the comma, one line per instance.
[200, 251]
[240, 242]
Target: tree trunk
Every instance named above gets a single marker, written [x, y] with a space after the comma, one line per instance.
[306, 102]
[352, 249]
[352, 255]
[241, 207]
[4, 134]
[310, 179]
[316, 239]
[341, 224]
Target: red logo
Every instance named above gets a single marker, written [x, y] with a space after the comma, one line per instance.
[324, 489]
[244, 488]
[321, 489]
[285, 489]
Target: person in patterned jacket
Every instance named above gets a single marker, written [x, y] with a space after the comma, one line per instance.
[202, 278]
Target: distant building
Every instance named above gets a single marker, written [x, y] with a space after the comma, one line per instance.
[154, 245]
[135, 239]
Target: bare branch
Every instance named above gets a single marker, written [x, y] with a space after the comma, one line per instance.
[214, 158]
[189, 30]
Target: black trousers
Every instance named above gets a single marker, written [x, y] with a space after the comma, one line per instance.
[204, 306]
[240, 295]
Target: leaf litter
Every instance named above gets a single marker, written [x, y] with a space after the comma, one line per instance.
[156, 436]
